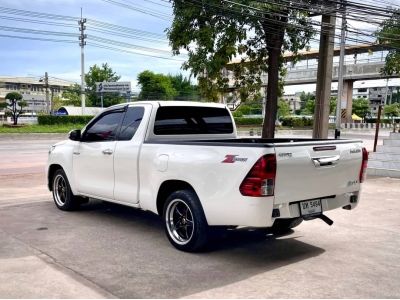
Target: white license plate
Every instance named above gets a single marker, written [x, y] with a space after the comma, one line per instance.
[311, 207]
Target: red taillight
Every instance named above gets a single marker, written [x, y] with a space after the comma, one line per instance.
[260, 181]
[363, 165]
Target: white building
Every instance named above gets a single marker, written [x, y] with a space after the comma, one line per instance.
[33, 90]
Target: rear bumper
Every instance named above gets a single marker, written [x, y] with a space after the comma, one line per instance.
[262, 212]
[292, 210]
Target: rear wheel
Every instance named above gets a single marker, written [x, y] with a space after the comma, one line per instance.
[284, 225]
[185, 224]
[62, 193]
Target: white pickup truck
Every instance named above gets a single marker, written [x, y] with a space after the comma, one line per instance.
[184, 162]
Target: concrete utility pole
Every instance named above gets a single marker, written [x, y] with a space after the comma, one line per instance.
[341, 69]
[82, 43]
[324, 77]
[46, 86]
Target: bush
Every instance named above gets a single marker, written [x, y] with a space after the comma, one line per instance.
[248, 121]
[383, 121]
[58, 120]
[237, 114]
[296, 122]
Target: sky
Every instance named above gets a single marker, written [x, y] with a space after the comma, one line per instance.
[62, 60]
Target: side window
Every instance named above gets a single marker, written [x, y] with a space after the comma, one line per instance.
[131, 122]
[104, 129]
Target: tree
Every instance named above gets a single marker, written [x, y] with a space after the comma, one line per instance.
[14, 105]
[387, 35]
[184, 88]
[72, 96]
[283, 108]
[309, 106]
[214, 32]
[155, 86]
[361, 108]
[392, 110]
[100, 74]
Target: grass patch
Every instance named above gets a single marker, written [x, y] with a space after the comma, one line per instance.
[59, 128]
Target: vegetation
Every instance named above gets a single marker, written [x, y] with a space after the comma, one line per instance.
[64, 128]
[283, 108]
[61, 120]
[14, 105]
[361, 108]
[386, 34]
[214, 32]
[166, 87]
[392, 110]
[155, 86]
[72, 94]
[309, 106]
[100, 74]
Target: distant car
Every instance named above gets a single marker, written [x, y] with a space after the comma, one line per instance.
[183, 161]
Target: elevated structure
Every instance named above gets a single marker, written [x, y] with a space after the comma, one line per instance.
[306, 72]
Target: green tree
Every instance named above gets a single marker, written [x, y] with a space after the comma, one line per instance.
[215, 31]
[361, 108]
[387, 35]
[309, 106]
[72, 96]
[392, 110]
[283, 108]
[155, 86]
[14, 105]
[99, 74]
[184, 88]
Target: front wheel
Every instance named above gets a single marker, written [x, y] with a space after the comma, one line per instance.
[185, 223]
[62, 193]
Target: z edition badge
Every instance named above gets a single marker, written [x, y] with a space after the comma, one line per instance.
[230, 159]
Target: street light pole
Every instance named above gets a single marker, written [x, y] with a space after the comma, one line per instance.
[341, 67]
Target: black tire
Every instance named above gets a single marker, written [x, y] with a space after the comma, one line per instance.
[62, 193]
[284, 225]
[185, 223]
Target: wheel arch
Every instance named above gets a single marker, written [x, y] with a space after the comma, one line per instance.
[52, 170]
[167, 188]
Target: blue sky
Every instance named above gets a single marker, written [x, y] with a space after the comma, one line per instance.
[34, 58]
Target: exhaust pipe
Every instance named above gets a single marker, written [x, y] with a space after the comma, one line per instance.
[325, 219]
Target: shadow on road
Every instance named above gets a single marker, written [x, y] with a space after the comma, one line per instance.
[126, 252]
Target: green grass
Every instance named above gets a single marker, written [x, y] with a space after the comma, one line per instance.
[64, 128]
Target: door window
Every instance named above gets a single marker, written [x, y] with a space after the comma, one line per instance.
[104, 129]
[131, 122]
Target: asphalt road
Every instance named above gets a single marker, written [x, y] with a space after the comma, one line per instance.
[107, 250]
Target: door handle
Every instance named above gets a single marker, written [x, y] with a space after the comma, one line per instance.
[76, 152]
[107, 152]
[325, 160]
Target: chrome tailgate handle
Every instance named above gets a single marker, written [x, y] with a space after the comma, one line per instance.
[326, 160]
[107, 152]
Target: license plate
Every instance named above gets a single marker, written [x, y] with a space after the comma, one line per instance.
[311, 207]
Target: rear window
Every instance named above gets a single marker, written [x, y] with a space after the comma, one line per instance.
[178, 120]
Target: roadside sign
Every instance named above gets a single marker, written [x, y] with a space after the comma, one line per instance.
[113, 87]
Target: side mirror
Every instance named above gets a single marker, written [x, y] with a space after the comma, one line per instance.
[75, 135]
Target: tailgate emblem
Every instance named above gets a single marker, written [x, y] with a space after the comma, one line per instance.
[230, 159]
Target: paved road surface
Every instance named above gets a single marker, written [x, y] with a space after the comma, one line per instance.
[107, 250]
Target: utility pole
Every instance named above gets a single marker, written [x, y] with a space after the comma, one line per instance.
[46, 86]
[82, 43]
[341, 69]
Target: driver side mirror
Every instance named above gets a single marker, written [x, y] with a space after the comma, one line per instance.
[75, 135]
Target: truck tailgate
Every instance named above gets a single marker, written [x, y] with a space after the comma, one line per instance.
[308, 171]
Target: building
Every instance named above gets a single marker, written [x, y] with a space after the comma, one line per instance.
[33, 91]
[294, 101]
